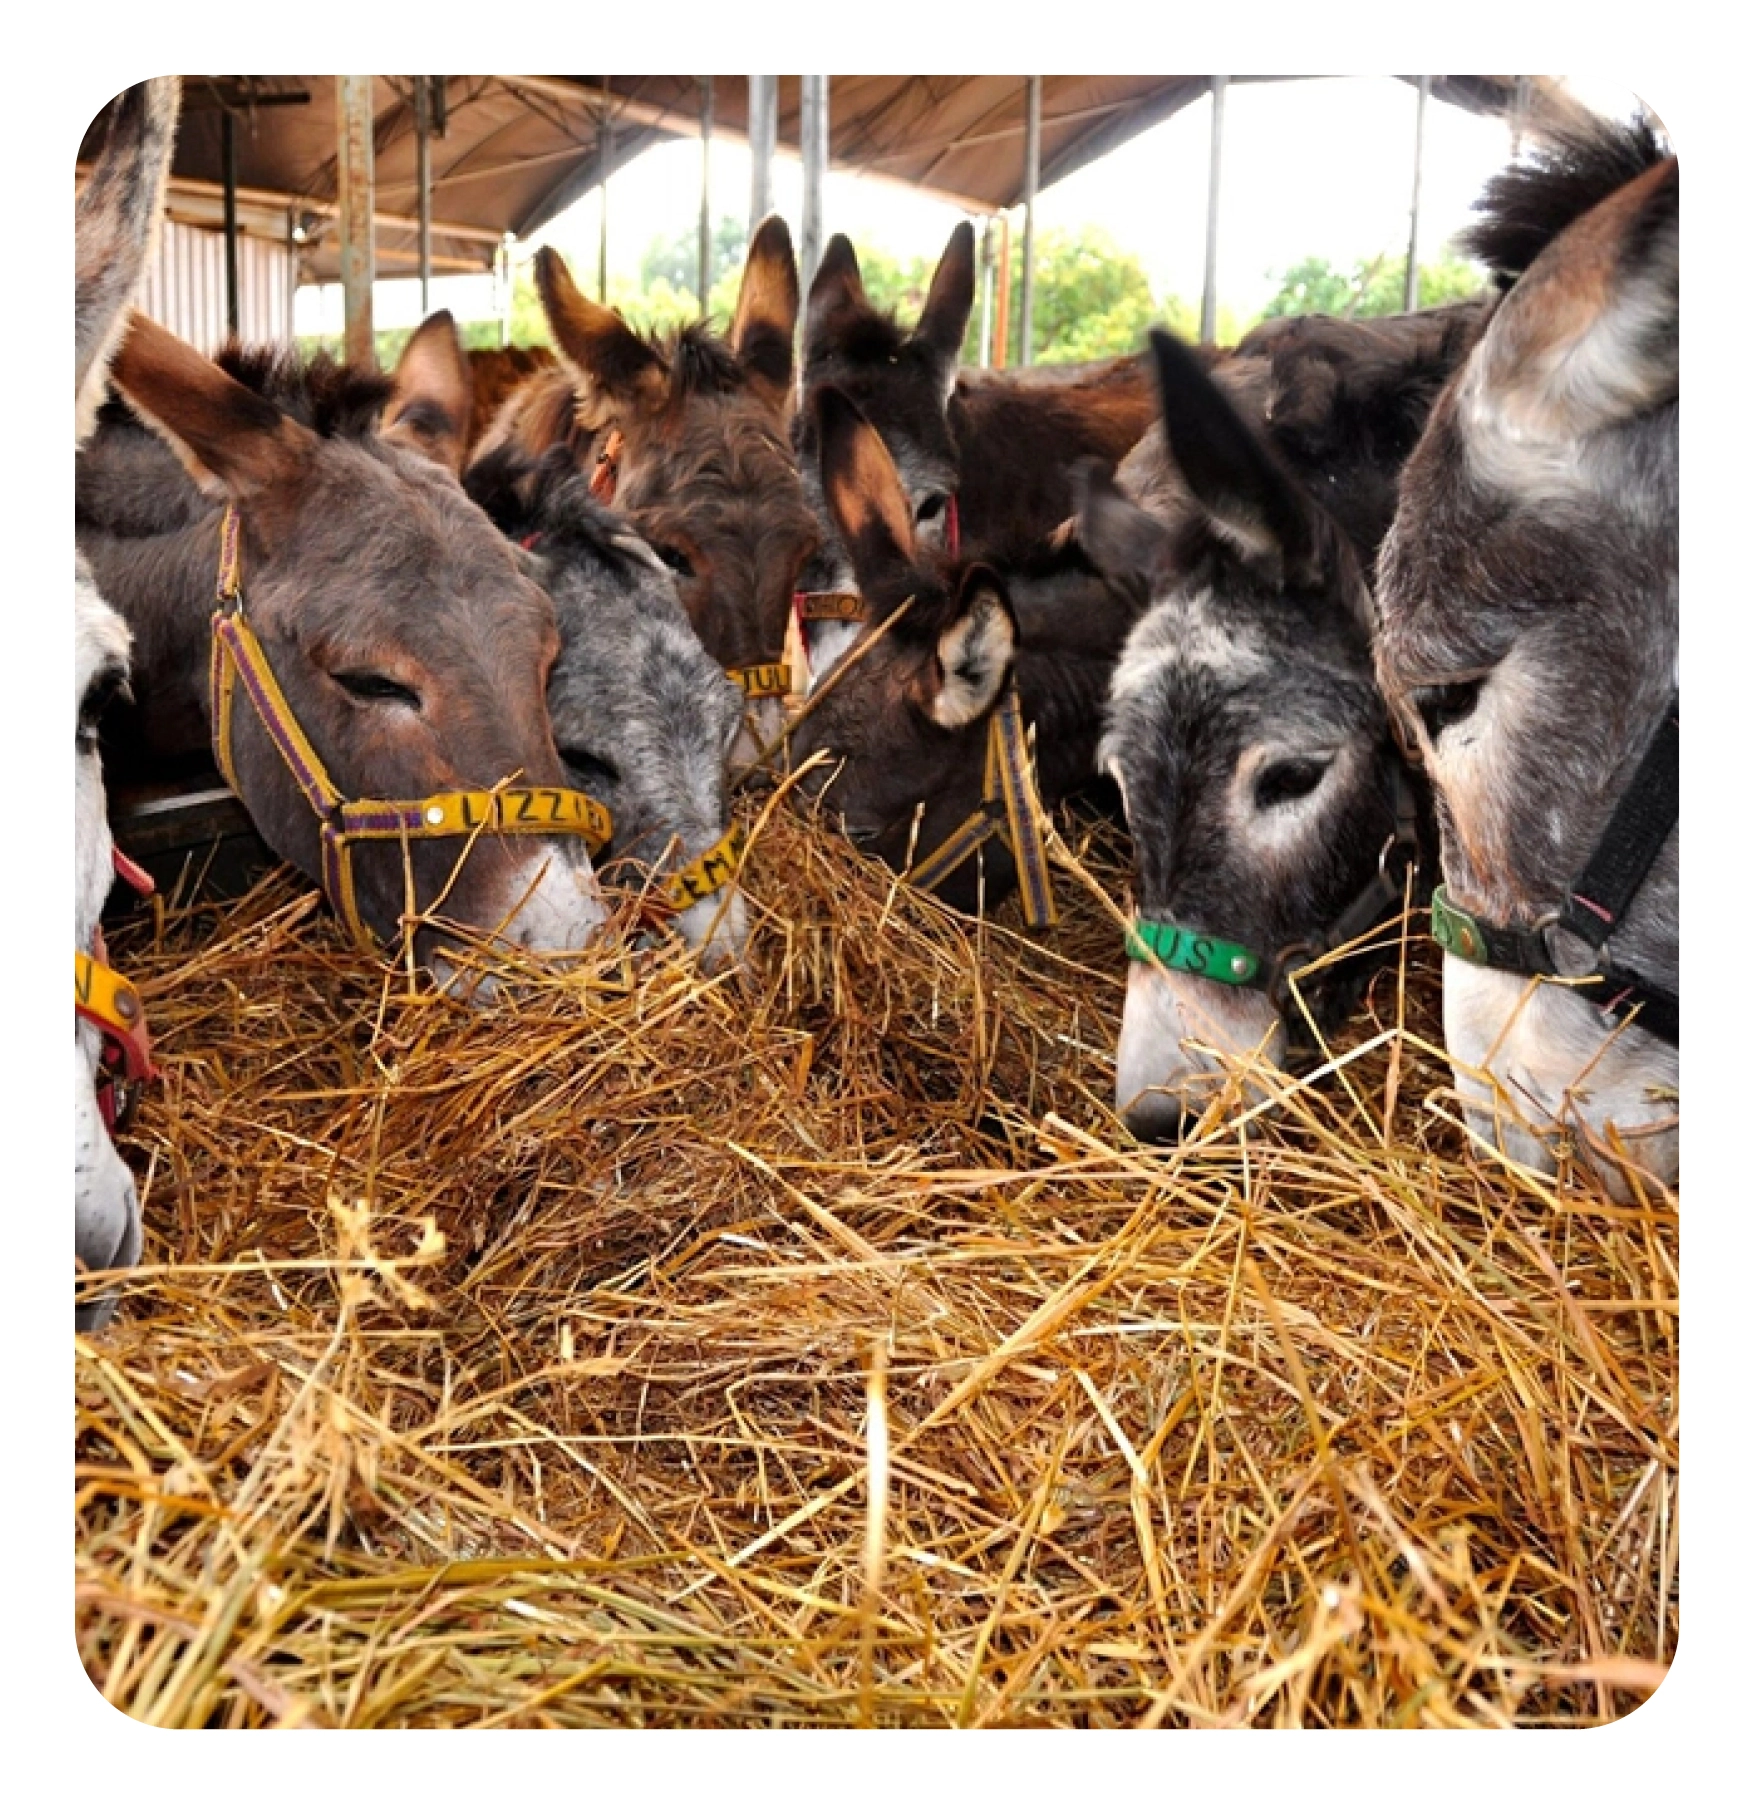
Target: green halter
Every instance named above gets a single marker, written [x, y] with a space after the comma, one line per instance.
[1179, 947]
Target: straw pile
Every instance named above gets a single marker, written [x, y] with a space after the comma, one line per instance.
[816, 1349]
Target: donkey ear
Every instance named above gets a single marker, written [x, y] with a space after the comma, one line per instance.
[597, 345]
[116, 220]
[1121, 538]
[836, 294]
[862, 488]
[942, 326]
[763, 320]
[1590, 334]
[975, 652]
[1248, 498]
[232, 442]
[430, 406]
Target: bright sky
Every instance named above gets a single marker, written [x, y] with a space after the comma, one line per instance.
[1320, 166]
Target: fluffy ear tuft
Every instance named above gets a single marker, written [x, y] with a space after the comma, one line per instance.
[976, 652]
[429, 410]
[1588, 337]
[763, 320]
[603, 353]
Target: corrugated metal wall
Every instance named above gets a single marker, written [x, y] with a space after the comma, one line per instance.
[185, 286]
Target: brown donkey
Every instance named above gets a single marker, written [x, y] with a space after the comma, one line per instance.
[984, 456]
[384, 657]
[689, 439]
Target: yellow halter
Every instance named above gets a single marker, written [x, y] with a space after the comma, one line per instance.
[238, 660]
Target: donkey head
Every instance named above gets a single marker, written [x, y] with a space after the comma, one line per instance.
[690, 441]
[115, 220]
[1529, 598]
[411, 650]
[900, 380]
[1249, 742]
[905, 720]
[643, 716]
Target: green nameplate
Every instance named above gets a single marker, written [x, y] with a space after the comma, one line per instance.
[1176, 947]
[1457, 932]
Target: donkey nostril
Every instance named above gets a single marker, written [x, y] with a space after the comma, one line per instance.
[1440, 706]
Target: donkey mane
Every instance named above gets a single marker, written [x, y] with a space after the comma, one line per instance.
[701, 363]
[551, 497]
[1577, 166]
[333, 399]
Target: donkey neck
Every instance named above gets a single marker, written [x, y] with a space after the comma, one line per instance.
[164, 587]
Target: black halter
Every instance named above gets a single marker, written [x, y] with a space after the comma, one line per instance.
[1595, 902]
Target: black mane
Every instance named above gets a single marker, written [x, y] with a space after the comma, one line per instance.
[333, 399]
[1573, 169]
[702, 363]
[548, 497]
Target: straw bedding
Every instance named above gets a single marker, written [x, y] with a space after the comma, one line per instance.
[815, 1348]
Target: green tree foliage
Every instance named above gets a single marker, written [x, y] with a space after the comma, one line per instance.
[1371, 286]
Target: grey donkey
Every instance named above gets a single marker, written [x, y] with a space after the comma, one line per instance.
[643, 716]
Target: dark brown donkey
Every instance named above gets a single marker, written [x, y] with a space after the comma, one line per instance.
[984, 456]
[410, 650]
[688, 438]
[917, 724]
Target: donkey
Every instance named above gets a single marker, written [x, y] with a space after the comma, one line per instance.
[689, 440]
[925, 723]
[379, 707]
[1529, 598]
[643, 717]
[1269, 802]
[984, 457]
[115, 221]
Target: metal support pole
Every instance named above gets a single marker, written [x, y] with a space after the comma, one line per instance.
[604, 188]
[1518, 123]
[1207, 318]
[705, 244]
[999, 345]
[504, 286]
[1417, 192]
[761, 132]
[354, 185]
[1030, 184]
[815, 155]
[424, 197]
[229, 157]
[987, 307]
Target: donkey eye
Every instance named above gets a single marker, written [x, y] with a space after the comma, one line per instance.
[1440, 706]
[1286, 781]
[589, 770]
[370, 686]
[107, 686]
[931, 506]
[676, 558]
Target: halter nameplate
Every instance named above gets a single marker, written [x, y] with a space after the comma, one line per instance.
[708, 874]
[830, 607]
[238, 660]
[1010, 806]
[765, 680]
[109, 1001]
[1179, 947]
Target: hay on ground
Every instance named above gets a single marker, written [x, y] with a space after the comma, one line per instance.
[815, 1348]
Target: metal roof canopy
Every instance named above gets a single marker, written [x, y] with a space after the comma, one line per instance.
[516, 150]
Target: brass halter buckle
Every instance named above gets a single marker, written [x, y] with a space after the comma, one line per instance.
[238, 660]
